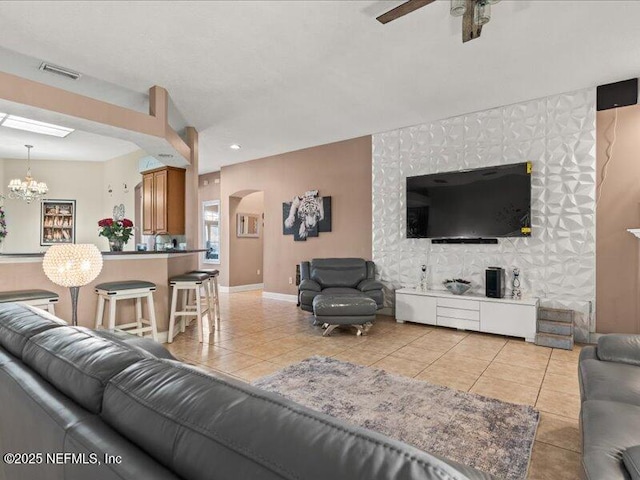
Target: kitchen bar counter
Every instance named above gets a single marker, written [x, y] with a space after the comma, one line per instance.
[128, 252]
[24, 271]
[173, 251]
[147, 255]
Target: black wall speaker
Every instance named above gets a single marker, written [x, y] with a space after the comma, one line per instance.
[619, 94]
[495, 282]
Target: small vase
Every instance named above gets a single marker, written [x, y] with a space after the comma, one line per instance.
[115, 245]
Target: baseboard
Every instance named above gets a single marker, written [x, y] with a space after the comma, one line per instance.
[241, 288]
[280, 296]
[163, 337]
[386, 311]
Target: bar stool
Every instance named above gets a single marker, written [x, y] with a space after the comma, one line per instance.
[188, 283]
[43, 299]
[212, 285]
[128, 290]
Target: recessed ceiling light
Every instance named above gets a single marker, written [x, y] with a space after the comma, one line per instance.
[29, 125]
[235, 146]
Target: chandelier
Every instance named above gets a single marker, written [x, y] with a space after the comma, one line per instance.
[27, 189]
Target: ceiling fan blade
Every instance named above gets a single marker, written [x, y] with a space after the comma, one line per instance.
[470, 29]
[402, 10]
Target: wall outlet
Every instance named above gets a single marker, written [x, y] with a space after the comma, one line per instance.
[258, 271]
[290, 280]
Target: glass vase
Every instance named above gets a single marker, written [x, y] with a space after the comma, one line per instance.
[116, 244]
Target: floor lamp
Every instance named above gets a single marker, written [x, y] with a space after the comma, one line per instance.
[72, 266]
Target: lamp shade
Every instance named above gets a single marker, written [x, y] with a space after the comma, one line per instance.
[72, 265]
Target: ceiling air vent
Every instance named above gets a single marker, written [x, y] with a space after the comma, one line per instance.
[64, 72]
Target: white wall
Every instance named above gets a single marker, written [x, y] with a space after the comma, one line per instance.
[117, 172]
[84, 182]
[557, 134]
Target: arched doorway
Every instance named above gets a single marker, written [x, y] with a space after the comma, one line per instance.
[246, 240]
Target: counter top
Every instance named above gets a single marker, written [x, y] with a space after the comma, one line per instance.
[149, 254]
[130, 252]
[154, 252]
[467, 296]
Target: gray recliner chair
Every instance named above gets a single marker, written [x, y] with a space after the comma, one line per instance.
[338, 276]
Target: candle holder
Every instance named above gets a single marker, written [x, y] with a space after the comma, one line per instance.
[516, 293]
[424, 285]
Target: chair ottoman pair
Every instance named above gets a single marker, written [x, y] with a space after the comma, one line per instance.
[333, 311]
[340, 291]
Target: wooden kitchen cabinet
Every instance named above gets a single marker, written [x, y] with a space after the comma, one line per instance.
[163, 201]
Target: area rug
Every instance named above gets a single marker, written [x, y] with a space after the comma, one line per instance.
[490, 435]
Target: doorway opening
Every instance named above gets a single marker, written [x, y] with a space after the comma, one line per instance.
[246, 240]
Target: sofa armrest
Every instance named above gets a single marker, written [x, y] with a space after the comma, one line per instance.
[369, 285]
[309, 284]
[305, 270]
[619, 348]
[631, 459]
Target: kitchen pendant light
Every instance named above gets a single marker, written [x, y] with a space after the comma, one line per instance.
[27, 189]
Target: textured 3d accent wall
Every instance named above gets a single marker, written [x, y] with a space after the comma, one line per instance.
[557, 134]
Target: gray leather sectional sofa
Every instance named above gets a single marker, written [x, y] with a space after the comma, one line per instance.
[70, 395]
[338, 276]
[609, 375]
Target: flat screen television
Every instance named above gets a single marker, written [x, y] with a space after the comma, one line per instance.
[482, 203]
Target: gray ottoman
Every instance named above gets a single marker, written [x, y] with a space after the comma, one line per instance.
[333, 311]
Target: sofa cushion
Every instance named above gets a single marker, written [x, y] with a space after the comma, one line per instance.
[93, 435]
[618, 382]
[608, 429]
[619, 348]
[238, 431]
[154, 348]
[78, 362]
[631, 459]
[338, 272]
[341, 291]
[18, 323]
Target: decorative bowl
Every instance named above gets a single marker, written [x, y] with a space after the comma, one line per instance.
[457, 288]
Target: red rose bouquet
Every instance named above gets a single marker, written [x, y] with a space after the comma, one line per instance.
[118, 230]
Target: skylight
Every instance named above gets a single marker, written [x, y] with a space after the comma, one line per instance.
[21, 123]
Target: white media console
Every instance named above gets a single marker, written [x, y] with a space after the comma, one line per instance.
[504, 316]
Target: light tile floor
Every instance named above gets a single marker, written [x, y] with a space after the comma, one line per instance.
[258, 336]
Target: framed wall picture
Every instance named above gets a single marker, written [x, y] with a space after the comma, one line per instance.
[248, 225]
[57, 222]
[306, 216]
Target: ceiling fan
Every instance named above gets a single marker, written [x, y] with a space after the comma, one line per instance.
[474, 13]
